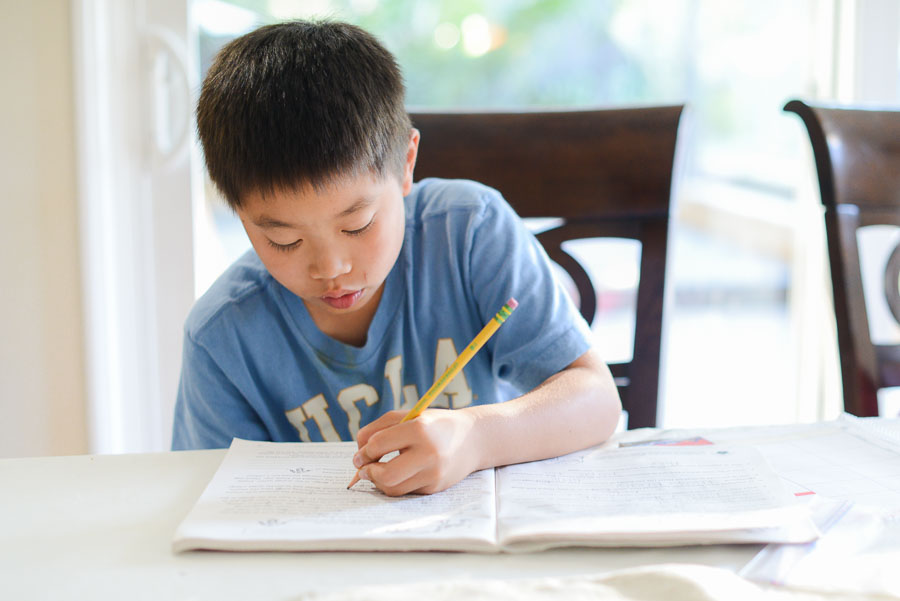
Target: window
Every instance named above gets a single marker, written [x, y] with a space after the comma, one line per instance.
[734, 63]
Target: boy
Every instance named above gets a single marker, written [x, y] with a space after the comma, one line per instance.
[362, 286]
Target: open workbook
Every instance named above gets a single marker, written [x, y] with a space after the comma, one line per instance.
[293, 497]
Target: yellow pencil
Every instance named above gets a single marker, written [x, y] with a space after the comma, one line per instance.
[461, 360]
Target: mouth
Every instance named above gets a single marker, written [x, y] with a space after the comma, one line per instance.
[341, 299]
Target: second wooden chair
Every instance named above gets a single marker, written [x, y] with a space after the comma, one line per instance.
[857, 155]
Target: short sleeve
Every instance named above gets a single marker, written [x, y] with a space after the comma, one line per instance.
[546, 333]
[210, 410]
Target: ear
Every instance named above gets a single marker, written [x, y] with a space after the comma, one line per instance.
[411, 152]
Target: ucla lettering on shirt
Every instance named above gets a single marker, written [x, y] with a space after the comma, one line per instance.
[456, 395]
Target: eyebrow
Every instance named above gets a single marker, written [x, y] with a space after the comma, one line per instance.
[356, 206]
[266, 222]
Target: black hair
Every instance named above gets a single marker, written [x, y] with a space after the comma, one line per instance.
[302, 103]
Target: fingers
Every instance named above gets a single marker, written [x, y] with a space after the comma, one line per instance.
[389, 439]
[402, 475]
[380, 439]
[385, 421]
[433, 452]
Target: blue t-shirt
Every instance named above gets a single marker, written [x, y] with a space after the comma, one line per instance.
[257, 367]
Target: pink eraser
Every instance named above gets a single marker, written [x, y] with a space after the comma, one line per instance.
[512, 303]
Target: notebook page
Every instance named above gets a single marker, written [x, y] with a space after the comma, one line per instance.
[294, 496]
[648, 495]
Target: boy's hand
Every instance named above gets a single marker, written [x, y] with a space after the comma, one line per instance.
[434, 451]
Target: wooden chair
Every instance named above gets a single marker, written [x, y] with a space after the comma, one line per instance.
[857, 155]
[603, 173]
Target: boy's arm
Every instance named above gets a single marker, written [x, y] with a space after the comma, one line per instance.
[573, 409]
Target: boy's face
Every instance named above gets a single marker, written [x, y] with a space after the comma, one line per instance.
[333, 247]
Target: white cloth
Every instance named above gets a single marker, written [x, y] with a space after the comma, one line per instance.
[667, 582]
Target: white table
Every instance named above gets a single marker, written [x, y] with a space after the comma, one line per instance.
[100, 527]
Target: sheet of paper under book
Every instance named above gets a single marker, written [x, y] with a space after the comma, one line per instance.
[293, 497]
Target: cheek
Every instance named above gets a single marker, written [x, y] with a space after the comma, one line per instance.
[275, 264]
[390, 239]
[279, 264]
[262, 247]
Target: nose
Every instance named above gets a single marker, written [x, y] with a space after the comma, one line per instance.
[328, 263]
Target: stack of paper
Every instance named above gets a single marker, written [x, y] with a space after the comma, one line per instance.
[850, 471]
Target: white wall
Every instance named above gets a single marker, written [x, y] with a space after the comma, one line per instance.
[42, 398]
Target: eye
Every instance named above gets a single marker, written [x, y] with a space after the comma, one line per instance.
[360, 230]
[284, 247]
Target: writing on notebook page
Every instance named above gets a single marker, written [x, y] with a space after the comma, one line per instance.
[603, 496]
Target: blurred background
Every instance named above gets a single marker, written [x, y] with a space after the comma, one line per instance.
[112, 229]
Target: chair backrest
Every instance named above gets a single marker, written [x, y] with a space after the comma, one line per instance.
[857, 155]
[603, 174]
